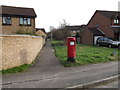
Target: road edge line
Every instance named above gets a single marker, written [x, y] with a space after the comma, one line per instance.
[96, 83]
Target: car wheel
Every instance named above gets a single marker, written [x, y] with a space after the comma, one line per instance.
[109, 46]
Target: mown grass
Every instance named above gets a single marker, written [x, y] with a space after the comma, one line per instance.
[18, 69]
[85, 54]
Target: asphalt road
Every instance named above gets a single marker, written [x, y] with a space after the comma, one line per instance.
[62, 79]
[49, 73]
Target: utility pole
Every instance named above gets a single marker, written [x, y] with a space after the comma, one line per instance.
[51, 35]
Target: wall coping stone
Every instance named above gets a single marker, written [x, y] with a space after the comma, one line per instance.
[19, 35]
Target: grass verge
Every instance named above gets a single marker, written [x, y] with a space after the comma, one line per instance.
[86, 54]
[18, 69]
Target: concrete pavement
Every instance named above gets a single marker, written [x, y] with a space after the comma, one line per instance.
[49, 73]
[106, 82]
[113, 84]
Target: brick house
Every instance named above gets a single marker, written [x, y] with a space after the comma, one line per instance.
[102, 23]
[41, 32]
[74, 31]
[17, 20]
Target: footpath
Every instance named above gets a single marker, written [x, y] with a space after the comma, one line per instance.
[47, 72]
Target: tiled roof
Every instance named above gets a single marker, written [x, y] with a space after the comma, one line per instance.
[95, 31]
[17, 11]
[110, 14]
[72, 28]
[42, 29]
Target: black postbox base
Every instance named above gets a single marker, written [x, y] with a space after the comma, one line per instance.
[71, 59]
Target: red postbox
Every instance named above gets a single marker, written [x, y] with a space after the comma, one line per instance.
[71, 49]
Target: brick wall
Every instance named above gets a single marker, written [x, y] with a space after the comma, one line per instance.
[18, 50]
[14, 27]
[87, 37]
[104, 24]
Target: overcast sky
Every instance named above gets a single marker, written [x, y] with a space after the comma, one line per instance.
[52, 12]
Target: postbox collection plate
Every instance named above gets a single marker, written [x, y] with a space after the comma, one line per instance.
[72, 43]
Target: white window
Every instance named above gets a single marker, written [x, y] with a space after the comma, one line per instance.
[116, 21]
[29, 21]
[7, 20]
[25, 21]
[21, 21]
[4, 20]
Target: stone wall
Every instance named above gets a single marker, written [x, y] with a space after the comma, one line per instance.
[19, 49]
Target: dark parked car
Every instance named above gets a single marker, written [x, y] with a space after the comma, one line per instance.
[103, 41]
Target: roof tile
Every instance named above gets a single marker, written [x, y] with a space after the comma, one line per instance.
[18, 11]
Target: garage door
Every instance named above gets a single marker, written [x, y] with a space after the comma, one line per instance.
[95, 39]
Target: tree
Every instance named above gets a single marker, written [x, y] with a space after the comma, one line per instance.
[52, 29]
[60, 33]
[63, 24]
[63, 30]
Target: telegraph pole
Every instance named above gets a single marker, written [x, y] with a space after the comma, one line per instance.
[51, 35]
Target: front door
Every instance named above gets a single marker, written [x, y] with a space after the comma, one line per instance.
[117, 36]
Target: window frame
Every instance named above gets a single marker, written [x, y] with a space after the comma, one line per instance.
[29, 21]
[116, 21]
[26, 21]
[6, 20]
[20, 21]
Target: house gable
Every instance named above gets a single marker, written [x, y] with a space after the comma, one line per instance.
[73, 30]
[102, 23]
[40, 32]
[103, 20]
[107, 15]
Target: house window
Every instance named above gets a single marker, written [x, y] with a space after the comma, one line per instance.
[21, 21]
[29, 21]
[6, 20]
[25, 21]
[116, 21]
